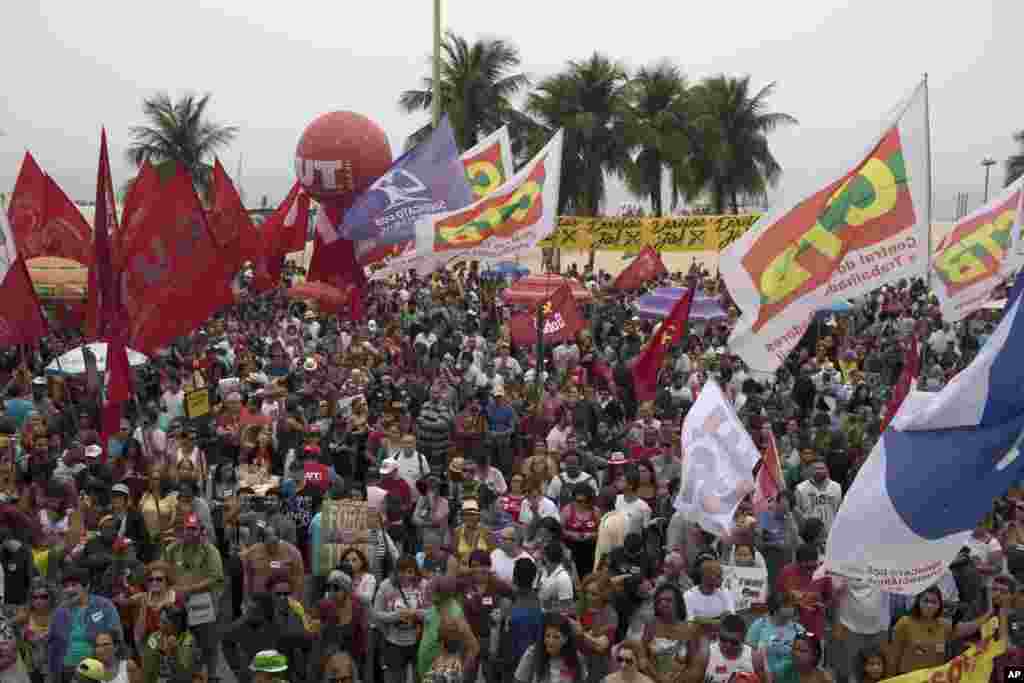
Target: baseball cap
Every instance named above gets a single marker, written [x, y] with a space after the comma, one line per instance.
[192, 521]
[269, 661]
[92, 452]
[121, 489]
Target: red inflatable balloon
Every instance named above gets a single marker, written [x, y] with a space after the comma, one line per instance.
[339, 155]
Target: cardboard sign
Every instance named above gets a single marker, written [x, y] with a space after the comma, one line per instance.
[748, 585]
[197, 403]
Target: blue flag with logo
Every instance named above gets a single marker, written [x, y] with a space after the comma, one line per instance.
[934, 473]
[427, 179]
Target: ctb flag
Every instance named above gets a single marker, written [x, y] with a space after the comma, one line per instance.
[861, 231]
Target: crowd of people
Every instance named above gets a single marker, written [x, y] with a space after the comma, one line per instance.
[413, 494]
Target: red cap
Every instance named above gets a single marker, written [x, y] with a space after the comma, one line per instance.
[192, 521]
[312, 448]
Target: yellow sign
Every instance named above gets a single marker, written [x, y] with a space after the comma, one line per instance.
[197, 403]
[672, 233]
[973, 666]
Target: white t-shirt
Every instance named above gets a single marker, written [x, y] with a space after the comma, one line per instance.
[638, 513]
[175, 403]
[502, 565]
[547, 508]
[554, 586]
[720, 668]
[819, 502]
[700, 606]
[864, 608]
[412, 469]
[555, 487]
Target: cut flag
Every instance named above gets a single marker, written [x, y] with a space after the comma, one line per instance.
[717, 463]
[670, 333]
[861, 231]
[103, 309]
[769, 480]
[45, 222]
[428, 179]
[905, 384]
[562, 320]
[645, 267]
[21, 319]
[933, 474]
[978, 254]
[509, 220]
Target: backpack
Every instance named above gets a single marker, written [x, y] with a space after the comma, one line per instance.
[522, 625]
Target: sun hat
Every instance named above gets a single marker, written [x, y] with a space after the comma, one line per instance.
[269, 661]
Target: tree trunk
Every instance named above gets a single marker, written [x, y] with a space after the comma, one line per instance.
[656, 205]
[735, 202]
[719, 198]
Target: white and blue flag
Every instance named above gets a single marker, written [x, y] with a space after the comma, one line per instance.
[935, 471]
[428, 179]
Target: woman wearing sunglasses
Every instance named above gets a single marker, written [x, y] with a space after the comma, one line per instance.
[632, 664]
[555, 659]
[158, 594]
[34, 621]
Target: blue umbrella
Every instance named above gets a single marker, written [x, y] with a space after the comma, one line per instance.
[658, 304]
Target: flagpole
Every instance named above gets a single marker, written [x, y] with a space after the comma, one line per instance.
[435, 100]
[928, 206]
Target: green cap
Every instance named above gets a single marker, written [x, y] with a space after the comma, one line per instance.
[269, 661]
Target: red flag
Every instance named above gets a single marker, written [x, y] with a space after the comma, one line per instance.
[21, 320]
[562, 320]
[141, 194]
[266, 255]
[646, 366]
[103, 307]
[230, 226]
[65, 232]
[173, 279]
[27, 211]
[293, 229]
[45, 222]
[645, 267]
[119, 390]
[911, 370]
[769, 477]
[334, 262]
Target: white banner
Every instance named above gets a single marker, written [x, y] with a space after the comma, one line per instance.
[748, 585]
[717, 463]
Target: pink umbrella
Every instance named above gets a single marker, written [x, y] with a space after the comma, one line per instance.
[534, 288]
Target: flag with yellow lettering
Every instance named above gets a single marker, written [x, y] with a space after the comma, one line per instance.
[863, 230]
[977, 254]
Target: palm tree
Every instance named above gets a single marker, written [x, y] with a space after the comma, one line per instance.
[477, 84]
[658, 122]
[180, 132]
[590, 100]
[1015, 164]
[728, 136]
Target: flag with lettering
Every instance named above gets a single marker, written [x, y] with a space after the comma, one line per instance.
[45, 222]
[561, 320]
[645, 267]
[863, 230]
[977, 255]
[670, 333]
[718, 458]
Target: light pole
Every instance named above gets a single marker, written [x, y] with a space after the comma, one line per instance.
[988, 163]
[435, 108]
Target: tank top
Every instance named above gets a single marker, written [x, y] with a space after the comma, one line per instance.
[720, 668]
[581, 524]
[122, 673]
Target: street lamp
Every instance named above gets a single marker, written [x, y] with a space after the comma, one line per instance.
[988, 163]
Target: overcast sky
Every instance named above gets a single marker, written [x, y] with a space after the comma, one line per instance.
[272, 66]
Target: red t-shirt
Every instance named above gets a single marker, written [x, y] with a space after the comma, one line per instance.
[813, 595]
[318, 476]
[396, 486]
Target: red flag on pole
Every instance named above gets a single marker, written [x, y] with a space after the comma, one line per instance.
[266, 254]
[119, 390]
[103, 308]
[21, 320]
[562, 320]
[769, 477]
[670, 333]
[911, 370]
[140, 196]
[645, 267]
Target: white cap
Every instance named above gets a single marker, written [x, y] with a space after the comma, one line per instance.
[93, 451]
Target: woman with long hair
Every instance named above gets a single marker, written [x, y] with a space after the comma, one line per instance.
[398, 609]
[772, 637]
[119, 669]
[921, 639]
[555, 657]
[672, 643]
[596, 626]
[580, 520]
[34, 621]
[633, 665]
[158, 594]
[448, 605]
[171, 653]
[159, 502]
[449, 664]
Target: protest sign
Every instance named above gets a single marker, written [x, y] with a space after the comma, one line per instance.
[748, 585]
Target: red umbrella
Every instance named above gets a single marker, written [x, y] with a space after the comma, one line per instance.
[329, 298]
[534, 288]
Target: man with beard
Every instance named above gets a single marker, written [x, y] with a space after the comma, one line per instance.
[75, 624]
[200, 581]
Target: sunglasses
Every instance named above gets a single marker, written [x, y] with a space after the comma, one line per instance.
[284, 594]
[626, 660]
[156, 579]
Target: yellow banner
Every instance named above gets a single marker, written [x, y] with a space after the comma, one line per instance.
[973, 666]
[672, 233]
